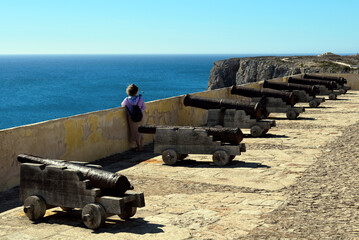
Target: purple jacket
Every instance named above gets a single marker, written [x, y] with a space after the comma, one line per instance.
[132, 101]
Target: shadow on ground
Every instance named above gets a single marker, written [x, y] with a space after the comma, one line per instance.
[267, 135]
[10, 199]
[188, 162]
[284, 118]
[112, 225]
[320, 107]
[126, 159]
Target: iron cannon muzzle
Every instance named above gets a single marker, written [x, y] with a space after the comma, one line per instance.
[311, 90]
[340, 80]
[287, 97]
[252, 109]
[331, 85]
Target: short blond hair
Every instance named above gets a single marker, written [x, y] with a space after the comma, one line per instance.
[132, 90]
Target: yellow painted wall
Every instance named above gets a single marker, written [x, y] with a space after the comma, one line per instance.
[91, 136]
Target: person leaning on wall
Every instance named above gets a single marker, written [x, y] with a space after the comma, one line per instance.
[130, 103]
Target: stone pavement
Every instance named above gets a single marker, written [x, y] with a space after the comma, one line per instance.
[294, 183]
[324, 203]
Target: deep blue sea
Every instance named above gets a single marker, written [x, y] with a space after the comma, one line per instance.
[35, 88]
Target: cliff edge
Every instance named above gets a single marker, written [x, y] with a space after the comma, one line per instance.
[236, 71]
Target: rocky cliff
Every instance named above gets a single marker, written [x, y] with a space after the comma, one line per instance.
[236, 71]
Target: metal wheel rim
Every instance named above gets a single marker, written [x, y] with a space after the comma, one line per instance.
[93, 215]
[220, 158]
[34, 207]
[169, 156]
[256, 131]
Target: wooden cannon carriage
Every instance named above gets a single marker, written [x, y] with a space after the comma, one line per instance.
[176, 142]
[46, 183]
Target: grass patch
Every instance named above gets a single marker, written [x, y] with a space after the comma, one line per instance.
[334, 66]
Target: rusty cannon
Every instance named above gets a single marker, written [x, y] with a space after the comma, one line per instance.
[331, 85]
[176, 142]
[229, 135]
[48, 183]
[325, 87]
[111, 183]
[233, 114]
[255, 110]
[274, 101]
[309, 89]
[304, 93]
[287, 97]
[339, 80]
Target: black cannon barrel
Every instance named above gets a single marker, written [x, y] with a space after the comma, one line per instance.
[255, 110]
[288, 97]
[339, 80]
[309, 89]
[331, 85]
[110, 183]
[230, 135]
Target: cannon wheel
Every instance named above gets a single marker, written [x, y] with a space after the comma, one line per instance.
[256, 131]
[182, 156]
[34, 207]
[291, 114]
[332, 96]
[169, 156]
[129, 212]
[220, 158]
[93, 215]
[313, 104]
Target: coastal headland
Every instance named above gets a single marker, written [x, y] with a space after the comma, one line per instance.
[237, 71]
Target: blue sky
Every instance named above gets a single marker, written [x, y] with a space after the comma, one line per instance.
[178, 27]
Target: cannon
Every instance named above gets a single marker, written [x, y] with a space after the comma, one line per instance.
[48, 183]
[229, 135]
[331, 85]
[325, 87]
[111, 183]
[272, 100]
[309, 89]
[287, 97]
[255, 110]
[176, 142]
[304, 93]
[233, 114]
[339, 80]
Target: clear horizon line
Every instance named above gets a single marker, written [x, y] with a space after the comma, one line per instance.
[302, 54]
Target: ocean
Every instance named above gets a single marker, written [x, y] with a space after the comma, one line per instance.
[36, 88]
